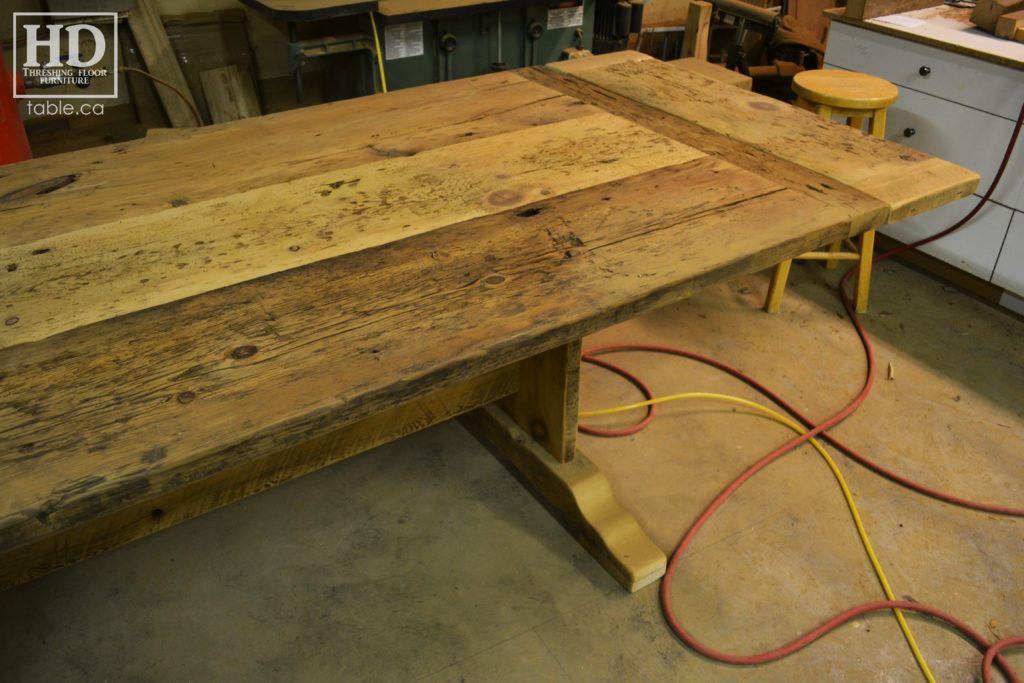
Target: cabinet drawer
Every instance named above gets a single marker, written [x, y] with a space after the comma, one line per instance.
[1009, 273]
[964, 136]
[970, 81]
[973, 248]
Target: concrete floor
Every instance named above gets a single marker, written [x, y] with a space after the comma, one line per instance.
[426, 560]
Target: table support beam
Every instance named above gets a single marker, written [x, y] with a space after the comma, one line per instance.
[117, 527]
[547, 403]
[578, 495]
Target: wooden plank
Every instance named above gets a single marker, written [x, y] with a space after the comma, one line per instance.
[715, 72]
[119, 182]
[698, 30]
[665, 12]
[100, 272]
[986, 13]
[863, 212]
[228, 96]
[1009, 24]
[909, 182]
[573, 66]
[104, 416]
[144, 517]
[869, 9]
[161, 62]
[576, 53]
[548, 401]
[580, 496]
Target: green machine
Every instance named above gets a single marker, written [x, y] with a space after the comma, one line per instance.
[444, 44]
[425, 41]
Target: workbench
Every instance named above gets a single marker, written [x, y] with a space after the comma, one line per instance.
[191, 319]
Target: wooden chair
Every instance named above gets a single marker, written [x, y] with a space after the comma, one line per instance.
[859, 97]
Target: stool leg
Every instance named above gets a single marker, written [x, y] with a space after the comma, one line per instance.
[776, 287]
[801, 103]
[878, 123]
[834, 248]
[867, 254]
[855, 122]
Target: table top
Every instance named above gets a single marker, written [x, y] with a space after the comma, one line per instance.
[175, 307]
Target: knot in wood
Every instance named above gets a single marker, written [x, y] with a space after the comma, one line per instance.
[505, 198]
[247, 351]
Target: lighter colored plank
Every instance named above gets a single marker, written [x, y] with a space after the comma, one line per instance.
[580, 494]
[698, 30]
[114, 269]
[119, 182]
[863, 212]
[228, 96]
[574, 66]
[161, 61]
[910, 182]
[716, 72]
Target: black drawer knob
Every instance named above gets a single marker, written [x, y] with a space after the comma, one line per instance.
[909, 132]
[925, 70]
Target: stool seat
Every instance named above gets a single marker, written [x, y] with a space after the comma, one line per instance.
[844, 89]
[858, 98]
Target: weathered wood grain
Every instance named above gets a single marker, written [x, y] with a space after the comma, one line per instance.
[107, 270]
[864, 211]
[505, 217]
[117, 526]
[575, 66]
[101, 417]
[698, 30]
[716, 72]
[136, 178]
[161, 61]
[228, 95]
[908, 181]
[548, 401]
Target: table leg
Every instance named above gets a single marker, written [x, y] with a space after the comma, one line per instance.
[534, 431]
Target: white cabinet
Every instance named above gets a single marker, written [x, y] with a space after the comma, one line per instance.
[1009, 274]
[957, 105]
[974, 248]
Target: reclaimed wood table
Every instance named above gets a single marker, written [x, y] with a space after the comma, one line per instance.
[188, 320]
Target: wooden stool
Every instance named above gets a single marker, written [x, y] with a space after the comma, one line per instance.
[858, 97]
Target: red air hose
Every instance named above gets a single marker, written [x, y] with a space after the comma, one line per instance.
[991, 651]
